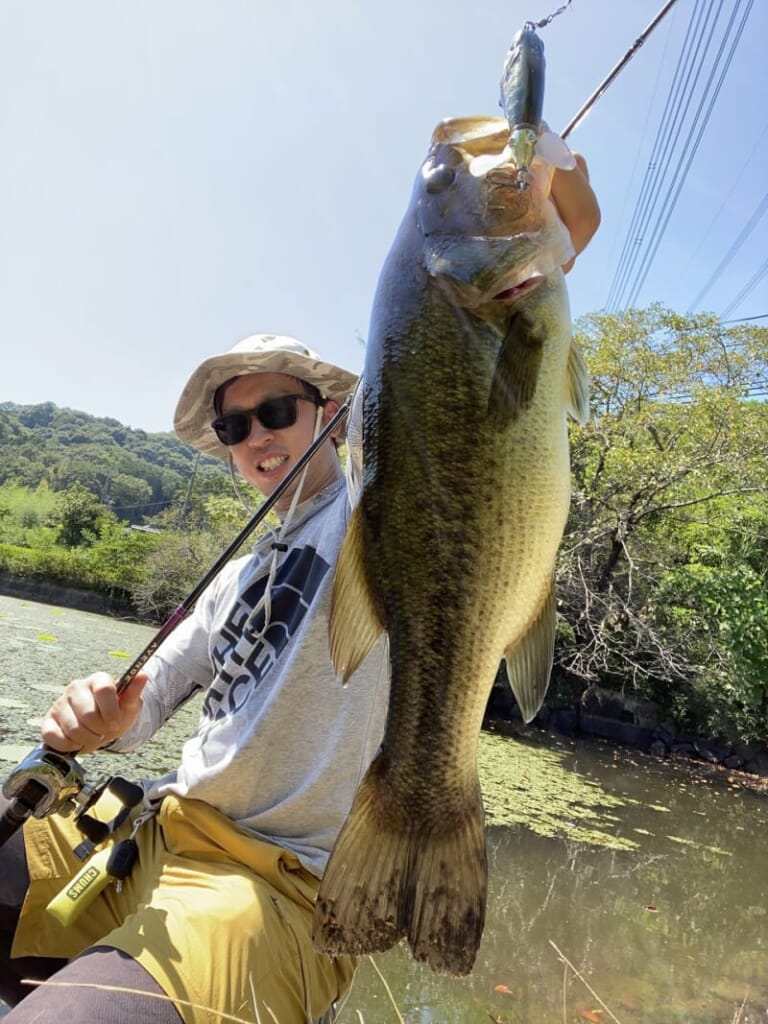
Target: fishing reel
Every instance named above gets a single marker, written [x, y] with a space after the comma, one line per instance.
[44, 781]
[47, 781]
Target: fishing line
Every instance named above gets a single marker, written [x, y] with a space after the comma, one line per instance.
[550, 17]
[581, 114]
[187, 604]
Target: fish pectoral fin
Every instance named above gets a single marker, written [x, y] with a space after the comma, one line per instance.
[394, 873]
[517, 368]
[355, 625]
[529, 661]
[578, 385]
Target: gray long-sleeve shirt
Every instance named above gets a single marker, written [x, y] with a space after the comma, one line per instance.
[281, 744]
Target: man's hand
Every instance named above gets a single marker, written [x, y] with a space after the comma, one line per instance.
[90, 713]
[576, 204]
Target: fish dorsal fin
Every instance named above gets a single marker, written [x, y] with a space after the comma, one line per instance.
[578, 385]
[517, 368]
[355, 625]
[529, 661]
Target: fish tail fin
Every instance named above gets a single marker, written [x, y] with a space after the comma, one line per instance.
[450, 883]
[392, 875]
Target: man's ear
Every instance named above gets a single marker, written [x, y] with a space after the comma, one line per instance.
[329, 411]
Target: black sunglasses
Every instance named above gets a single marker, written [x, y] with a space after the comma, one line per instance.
[273, 414]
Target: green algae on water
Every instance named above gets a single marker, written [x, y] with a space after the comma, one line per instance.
[13, 705]
[529, 786]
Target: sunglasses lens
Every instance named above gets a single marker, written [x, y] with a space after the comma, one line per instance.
[277, 413]
[273, 414]
[232, 428]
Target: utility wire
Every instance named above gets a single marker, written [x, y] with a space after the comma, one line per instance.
[648, 223]
[674, 108]
[642, 137]
[744, 234]
[729, 196]
[748, 288]
[671, 201]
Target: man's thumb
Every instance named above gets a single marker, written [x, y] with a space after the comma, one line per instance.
[130, 698]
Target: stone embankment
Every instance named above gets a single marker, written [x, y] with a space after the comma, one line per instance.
[33, 588]
[601, 714]
[608, 715]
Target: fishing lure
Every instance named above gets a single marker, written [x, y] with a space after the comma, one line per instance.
[522, 98]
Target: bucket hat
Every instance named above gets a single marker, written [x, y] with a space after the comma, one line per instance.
[258, 353]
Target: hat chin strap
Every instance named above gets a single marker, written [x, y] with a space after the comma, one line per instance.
[278, 545]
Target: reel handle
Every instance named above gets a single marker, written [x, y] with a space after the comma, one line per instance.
[43, 782]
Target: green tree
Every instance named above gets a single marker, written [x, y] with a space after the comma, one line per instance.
[129, 496]
[78, 515]
[674, 441]
[120, 556]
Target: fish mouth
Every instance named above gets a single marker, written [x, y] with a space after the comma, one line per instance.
[520, 290]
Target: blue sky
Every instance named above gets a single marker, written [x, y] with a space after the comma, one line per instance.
[176, 174]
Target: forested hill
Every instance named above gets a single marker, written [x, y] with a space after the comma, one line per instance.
[133, 472]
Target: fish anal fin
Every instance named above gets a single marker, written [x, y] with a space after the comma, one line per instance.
[354, 625]
[390, 875]
[578, 385]
[516, 373]
[529, 661]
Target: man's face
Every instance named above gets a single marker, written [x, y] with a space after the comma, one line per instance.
[265, 457]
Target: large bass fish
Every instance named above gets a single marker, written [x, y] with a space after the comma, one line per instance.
[470, 370]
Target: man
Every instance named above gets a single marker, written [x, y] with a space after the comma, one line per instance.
[216, 912]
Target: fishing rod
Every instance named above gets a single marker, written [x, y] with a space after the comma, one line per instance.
[581, 114]
[46, 779]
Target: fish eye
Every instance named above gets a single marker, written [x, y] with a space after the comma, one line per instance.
[439, 178]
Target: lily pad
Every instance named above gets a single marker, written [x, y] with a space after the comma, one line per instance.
[13, 705]
[14, 752]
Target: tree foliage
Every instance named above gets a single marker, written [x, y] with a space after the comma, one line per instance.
[661, 578]
[134, 473]
[662, 572]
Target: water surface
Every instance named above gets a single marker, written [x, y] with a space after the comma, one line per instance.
[648, 878]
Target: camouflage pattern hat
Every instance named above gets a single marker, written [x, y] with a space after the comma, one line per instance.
[259, 353]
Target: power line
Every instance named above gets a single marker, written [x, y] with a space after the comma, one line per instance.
[744, 234]
[665, 178]
[729, 196]
[748, 288]
[664, 134]
[691, 148]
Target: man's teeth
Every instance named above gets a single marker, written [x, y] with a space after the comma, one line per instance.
[273, 463]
